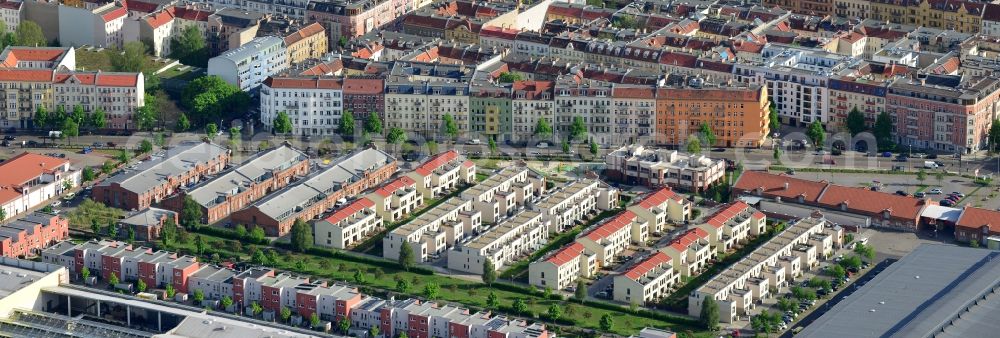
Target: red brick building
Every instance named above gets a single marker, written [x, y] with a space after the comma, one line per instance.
[363, 96]
[30, 234]
[976, 224]
[162, 175]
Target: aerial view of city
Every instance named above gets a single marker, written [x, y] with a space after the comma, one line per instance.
[499, 168]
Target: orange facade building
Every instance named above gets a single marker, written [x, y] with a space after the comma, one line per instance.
[737, 114]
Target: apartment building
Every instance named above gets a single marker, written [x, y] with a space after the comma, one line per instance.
[159, 177]
[223, 28]
[852, 8]
[574, 202]
[739, 287]
[690, 252]
[532, 101]
[636, 164]
[249, 65]
[504, 193]
[490, 110]
[348, 226]
[443, 173]
[10, 13]
[129, 264]
[862, 87]
[419, 106]
[100, 26]
[295, 9]
[396, 199]
[502, 244]
[309, 42]
[313, 104]
[30, 180]
[28, 235]
[733, 224]
[990, 20]
[561, 270]
[221, 195]
[634, 113]
[796, 79]
[148, 223]
[609, 239]
[647, 281]
[808, 7]
[435, 231]
[963, 16]
[46, 77]
[590, 100]
[737, 113]
[351, 19]
[951, 113]
[346, 177]
[363, 96]
[662, 207]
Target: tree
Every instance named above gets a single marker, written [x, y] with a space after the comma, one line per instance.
[145, 146]
[432, 290]
[258, 257]
[98, 119]
[816, 133]
[140, 286]
[492, 144]
[302, 238]
[226, 302]
[555, 312]
[234, 134]
[593, 149]
[432, 147]
[282, 123]
[921, 176]
[255, 309]
[314, 319]
[29, 33]
[519, 306]
[346, 125]
[190, 213]
[492, 301]
[257, 234]
[581, 291]
[543, 129]
[776, 154]
[855, 121]
[70, 129]
[786, 304]
[286, 314]
[359, 277]
[199, 296]
[578, 129]
[241, 231]
[113, 279]
[88, 174]
[822, 283]
[344, 324]
[211, 130]
[883, 131]
[993, 136]
[79, 116]
[85, 273]
[112, 230]
[607, 322]
[189, 47]
[449, 127]
[774, 123]
[489, 272]
[693, 145]
[199, 244]
[865, 251]
[396, 136]
[406, 257]
[131, 58]
[565, 147]
[709, 316]
[168, 233]
[836, 271]
[765, 322]
[210, 99]
[403, 335]
[373, 331]
[706, 134]
[183, 124]
[170, 291]
[373, 125]
[803, 293]
[41, 118]
[508, 77]
[402, 285]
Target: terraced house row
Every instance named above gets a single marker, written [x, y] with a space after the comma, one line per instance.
[273, 291]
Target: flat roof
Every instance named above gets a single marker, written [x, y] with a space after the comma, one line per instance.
[251, 171]
[172, 162]
[922, 295]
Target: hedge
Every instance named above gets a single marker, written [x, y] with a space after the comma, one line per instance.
[356, 258]
[228, 234]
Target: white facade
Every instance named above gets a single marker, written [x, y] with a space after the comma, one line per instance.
[647, 281]
[562, 269]
[249, 65]
[39, 179]
[574, 202]
[348, 226]
[502, 244]
[10, 13]
[434, 232]
[590, 100]
[313, 105]
[419, 107]
[99, 27]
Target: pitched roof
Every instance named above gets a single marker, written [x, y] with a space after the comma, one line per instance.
[686, 239]
[874, 202]
[654, 261]
[310, 82]
[726, 213]
[657, 198]
[307, 31]
[399, 183]
[612, 226]
[780, 185]
[349, 209]
[27, 166]
[566, 254]
[991, 12]
[976, 218]
[436, 162]
[15, 54]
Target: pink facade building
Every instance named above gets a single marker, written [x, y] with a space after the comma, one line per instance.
[943, 112]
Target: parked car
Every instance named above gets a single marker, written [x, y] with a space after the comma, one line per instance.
[931, 156]
[935, 191]
[111, 144]
[887, 154]
[9, 138]
[920, 195]
[901, 193]
[955, 193]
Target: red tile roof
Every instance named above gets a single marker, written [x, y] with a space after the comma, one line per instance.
[116, 13]
[658, 259]
[775, 185]
[160, 18]
[436, 162]
[657, 198]
[26, 75]
[976, 218]
[614, 225]
[873, 202]
[23, 168]
[16, 54]
[354, 86]
[350, 209]
[726, 213]
[307, 31]
[685, 240]
[566, 254]
[316, 82]
[401, 182]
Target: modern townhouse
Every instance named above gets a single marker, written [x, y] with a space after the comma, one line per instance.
[396, 199]
[502, 244]
[99, 27]
[609, 239]
[28, 235]
[30, 179]
[532, 101]
[647, 281]
[313, 104]
[736, 112]
[75, 256]
[249, 65]
[435, 231]
[442, 173]
[502, 194]
[570, 204]
[636, 164]
[690, 252]
[220, 196]
[561, 269]
[147, 224]
[159, 177]
[740, 287]
[214, 282]
[662, 207]
[950, 113]
[348, 226]
[105, 258]
[333, 302]
[346, 177]
[247, 287]
[732, 225]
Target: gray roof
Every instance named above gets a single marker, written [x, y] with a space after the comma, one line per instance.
[150, 216]
[933, 291]
[174, 161]
[255, 169]
[345, 170]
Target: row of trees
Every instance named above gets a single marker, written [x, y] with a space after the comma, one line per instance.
[27, 33]
[209, 99]
[882, 129]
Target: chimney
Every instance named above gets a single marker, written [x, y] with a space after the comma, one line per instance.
[786, 185]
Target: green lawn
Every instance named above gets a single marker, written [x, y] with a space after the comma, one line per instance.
[94, 60]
